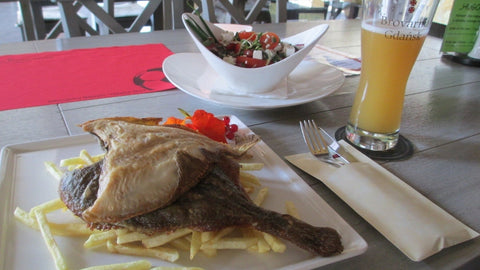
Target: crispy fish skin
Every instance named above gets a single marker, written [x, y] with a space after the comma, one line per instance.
[148, 166]
[215, 203]
[78, 188]
[218, 202]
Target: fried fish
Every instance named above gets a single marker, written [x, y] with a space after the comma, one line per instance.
[159, 179]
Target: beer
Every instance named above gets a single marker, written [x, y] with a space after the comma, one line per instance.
[393, 32]
[387, 58]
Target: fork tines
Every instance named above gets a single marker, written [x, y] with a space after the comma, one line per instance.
[313, 137]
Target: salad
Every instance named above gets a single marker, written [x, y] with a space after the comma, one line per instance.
[245, 49]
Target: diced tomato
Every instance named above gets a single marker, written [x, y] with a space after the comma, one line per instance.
[234, 47]
[230, 47]
[174, 121]
[238, 48]
[269, 40]
[247, 35]
[211, 47]
[248, 53]
[248, 62]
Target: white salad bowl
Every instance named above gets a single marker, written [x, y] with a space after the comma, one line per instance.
[243, 80]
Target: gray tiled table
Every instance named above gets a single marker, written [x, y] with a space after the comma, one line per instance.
[441, 117]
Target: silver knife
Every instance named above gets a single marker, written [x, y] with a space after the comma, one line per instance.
[336, 151]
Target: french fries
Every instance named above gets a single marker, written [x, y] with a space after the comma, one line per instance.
[275, 244]
[231, 243]
[60, 263]
[136, 265]
[130, 237]
[72, 163]
[84, 155]
[175, 268]
[53, 169]
[47, 207]
[163, 253]
[291, 209]
[100, 239]
[165, 246]
[180, 244]
[60, 229]
[251, 166]
[195, 244]
[249, 181]
[161, 239]
[261, 195]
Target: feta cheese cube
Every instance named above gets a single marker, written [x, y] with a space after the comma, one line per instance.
[227, 37]
[229, 59]
[270, 54]
[288, 50]
[279, 47]
[257, 54]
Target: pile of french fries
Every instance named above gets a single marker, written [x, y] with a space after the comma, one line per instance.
[164, 246]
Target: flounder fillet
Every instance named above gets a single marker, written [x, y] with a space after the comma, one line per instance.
[192, 181]
[148, 166]
[215, 203]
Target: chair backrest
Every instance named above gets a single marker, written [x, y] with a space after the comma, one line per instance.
[295, 8]
[235, 10]
[32, 23]
[158, 12]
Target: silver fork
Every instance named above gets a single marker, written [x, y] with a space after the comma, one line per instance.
[316, 143]
[313, 138]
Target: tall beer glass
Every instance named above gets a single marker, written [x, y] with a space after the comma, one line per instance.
[393, 32]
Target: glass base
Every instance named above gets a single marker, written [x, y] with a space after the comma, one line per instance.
[370, 140]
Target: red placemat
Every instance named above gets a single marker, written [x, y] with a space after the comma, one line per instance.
[36, 79]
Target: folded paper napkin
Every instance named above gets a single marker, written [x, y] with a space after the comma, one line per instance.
[348, 64]
[414, 224]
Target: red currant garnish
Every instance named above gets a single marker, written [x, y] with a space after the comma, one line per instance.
[233, 128]
[230, 135]
[226, 120]
[229, 129]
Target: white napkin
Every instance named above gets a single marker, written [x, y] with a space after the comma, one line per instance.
[348, 64]
[414, 224]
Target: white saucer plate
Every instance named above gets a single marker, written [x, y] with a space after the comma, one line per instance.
[310, 81]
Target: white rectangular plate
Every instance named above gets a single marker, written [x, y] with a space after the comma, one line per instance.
[24, 182]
